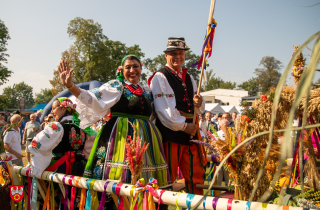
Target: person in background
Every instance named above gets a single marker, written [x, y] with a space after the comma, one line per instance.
[223, 173]
[234, 116]
[38, 114]
[2, 121]
[8, 118]
[3, 124]
[32, 128]
[6, 115]
[44, 123]
[202, 121]
[227, 116]
[50, 118]
[12, 140]
[100, 124]
[223, 127]
[215, 118]
[209, 123]
[23, 125]
[218, 121]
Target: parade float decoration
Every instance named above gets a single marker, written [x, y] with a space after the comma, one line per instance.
[135, 154]
[252, 152]
[298, 66]
[260, 157]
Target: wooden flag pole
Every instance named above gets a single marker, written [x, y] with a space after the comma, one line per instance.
[212, 6]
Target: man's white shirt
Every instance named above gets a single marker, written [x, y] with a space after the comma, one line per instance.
[13, 139]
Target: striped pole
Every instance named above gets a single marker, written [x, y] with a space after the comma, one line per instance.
[168, 197]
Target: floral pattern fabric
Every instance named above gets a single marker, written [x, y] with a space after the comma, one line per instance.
[116, 84]
[35, 144]
[171, 95]
[166, 103]
[147, 94]
[41, 146]
[47, 135]
[54, 127]
[101, 153]
[92, 106]
[75, 139]
[97, 93]
[97, 170]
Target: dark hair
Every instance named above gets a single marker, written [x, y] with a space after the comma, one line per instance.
[66, 113]
[226, 113]
[130, 58]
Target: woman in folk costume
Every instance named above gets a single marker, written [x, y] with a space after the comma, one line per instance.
[60, 145]
[128, 101]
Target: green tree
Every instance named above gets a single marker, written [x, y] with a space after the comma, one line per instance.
[268, 76]
[251, 86]
[212, 82]
[16, 92]
[3, 102]
[43, 97]
[158, 62]
[4, 37]
[92, 56]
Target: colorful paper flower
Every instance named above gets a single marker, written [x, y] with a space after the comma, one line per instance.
[263, 97]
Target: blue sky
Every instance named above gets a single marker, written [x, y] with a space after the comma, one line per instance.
[247, 31]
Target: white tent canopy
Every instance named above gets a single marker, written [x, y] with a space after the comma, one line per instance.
[230, 109]
[239, 108]
[214, 108]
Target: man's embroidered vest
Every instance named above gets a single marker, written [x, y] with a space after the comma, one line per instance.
[183, 92]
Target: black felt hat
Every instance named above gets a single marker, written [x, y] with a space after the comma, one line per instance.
[174, 43]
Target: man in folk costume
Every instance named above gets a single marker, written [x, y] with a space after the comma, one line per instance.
[174, 92]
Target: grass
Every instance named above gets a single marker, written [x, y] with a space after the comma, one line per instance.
[23, 152]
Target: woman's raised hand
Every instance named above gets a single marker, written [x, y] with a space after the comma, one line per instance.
[65, 74]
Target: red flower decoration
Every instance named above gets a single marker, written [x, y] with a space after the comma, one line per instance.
[263, 97]
[73, 135]
[80, 141]
[54, 126]
[34, 143]
[170, 95]
[82, 134]
[159, 95]
[245, 117]
[74, 142]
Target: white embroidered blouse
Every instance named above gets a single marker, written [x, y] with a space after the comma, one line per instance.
[42, 145]
[165, 105]
[94, 104]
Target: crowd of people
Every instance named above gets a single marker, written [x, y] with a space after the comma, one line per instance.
[88, 138]
[214, 123]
